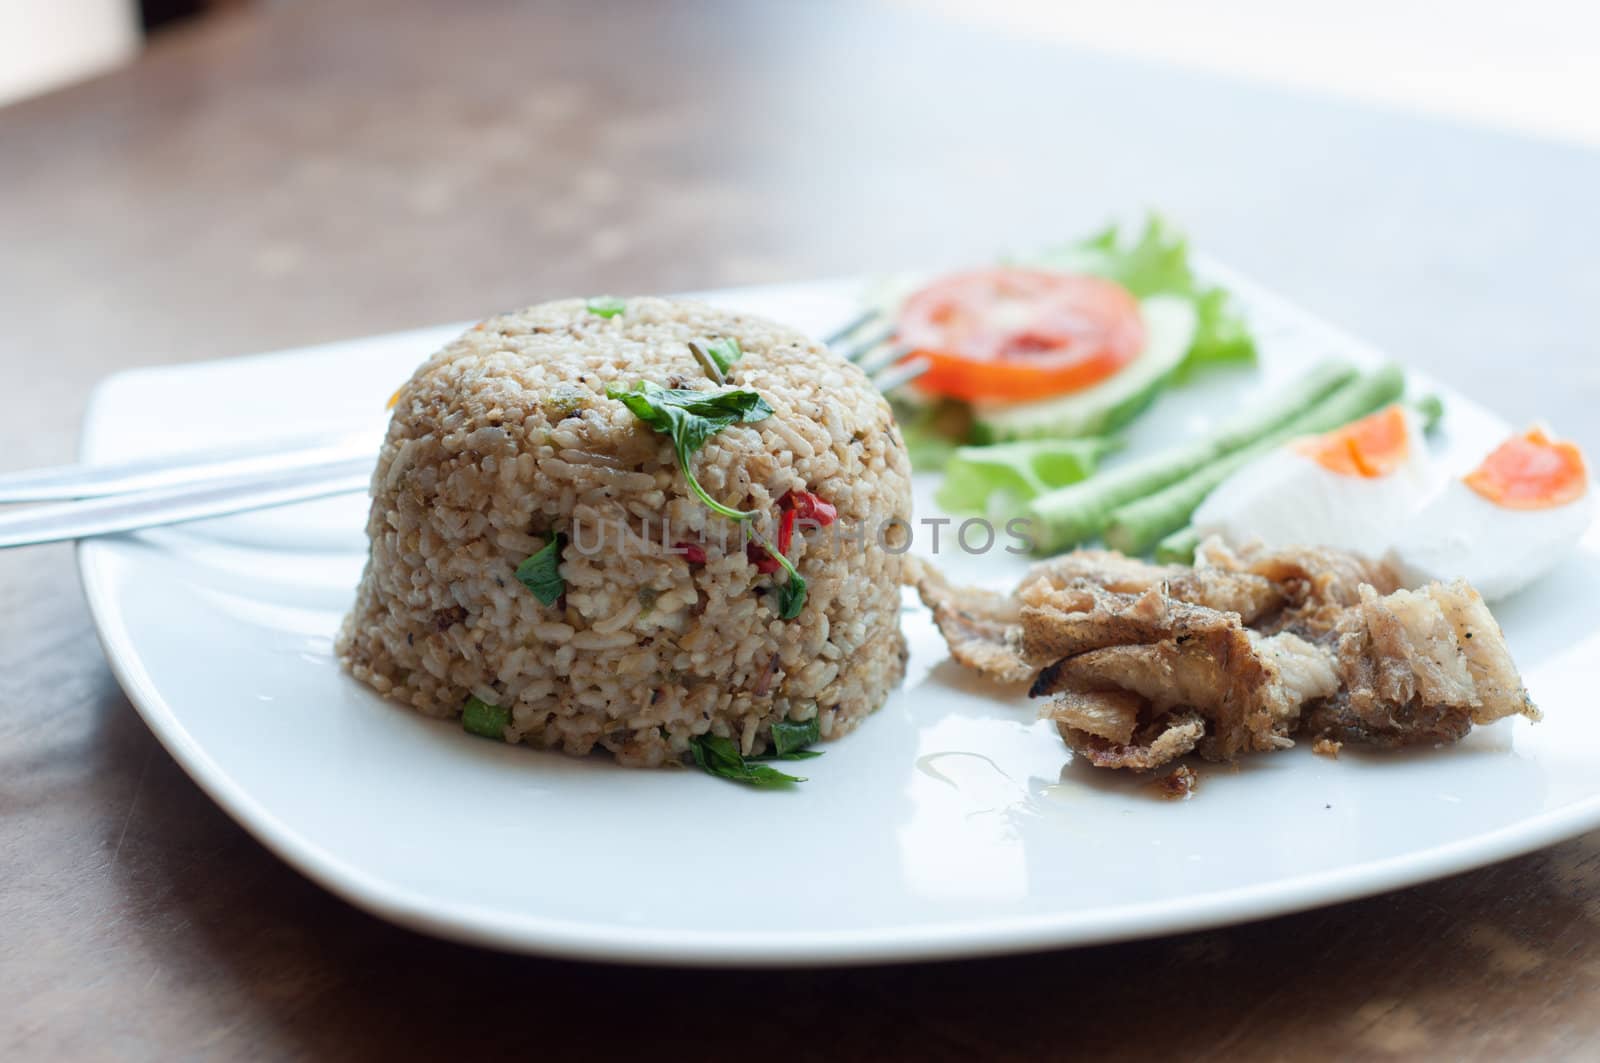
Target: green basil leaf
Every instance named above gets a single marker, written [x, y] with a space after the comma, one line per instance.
[541, 572]
[791, 598]
[658, 406]
[788, 737]
[723, 352]
[714, 753]
[606, 306]
[792, 592]
[484, 720]
[720, 757]
[690, 418]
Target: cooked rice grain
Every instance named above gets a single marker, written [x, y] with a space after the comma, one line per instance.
[506, 438]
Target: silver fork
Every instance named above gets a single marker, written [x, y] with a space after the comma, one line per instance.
[148, 493]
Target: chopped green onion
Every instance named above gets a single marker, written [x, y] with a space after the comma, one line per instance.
[607, 306]
[487, 721]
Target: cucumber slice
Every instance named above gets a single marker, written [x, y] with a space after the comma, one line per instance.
[1169, 323]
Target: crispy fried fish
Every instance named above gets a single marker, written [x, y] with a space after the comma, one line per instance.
[982, 628]
[1419, 667]
[989, 631]
[1244, 652]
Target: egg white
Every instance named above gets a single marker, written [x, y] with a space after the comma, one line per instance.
[1498, 550]
[1286, 499]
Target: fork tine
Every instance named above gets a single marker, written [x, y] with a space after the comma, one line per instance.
[901, 374]
[883, 357]
[849, 328]
[874, 339]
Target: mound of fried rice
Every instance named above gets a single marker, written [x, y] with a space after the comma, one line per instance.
[506, 438]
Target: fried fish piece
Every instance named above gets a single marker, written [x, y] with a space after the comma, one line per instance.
[1229, 590]
[1478, 635]
[1109, 714]
[982, 628]
[1316, 583]
[1161, 743]
[1060, 622]
[1248, 689]
[989, 632]
[1145, 663]
[1419, 667]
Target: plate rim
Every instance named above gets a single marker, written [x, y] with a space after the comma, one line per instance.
[616, 943]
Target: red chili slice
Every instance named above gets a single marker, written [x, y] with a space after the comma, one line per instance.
[758, 556]
[793, 507]
[810, 507]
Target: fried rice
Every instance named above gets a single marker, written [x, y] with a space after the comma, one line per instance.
[667, 629]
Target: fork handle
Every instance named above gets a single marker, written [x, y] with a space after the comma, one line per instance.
[152, 508]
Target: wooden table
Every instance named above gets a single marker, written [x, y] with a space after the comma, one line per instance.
[312, 171]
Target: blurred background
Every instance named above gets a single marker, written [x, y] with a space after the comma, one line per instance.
[184, 179]
[1532, 66]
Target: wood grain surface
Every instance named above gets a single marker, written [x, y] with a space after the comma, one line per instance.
[300, 172]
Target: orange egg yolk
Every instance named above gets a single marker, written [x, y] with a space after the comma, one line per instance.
[1372, 447]
[1531, 471]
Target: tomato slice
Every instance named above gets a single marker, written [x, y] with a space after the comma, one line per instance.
[1011, 334]
[1531, 471]
[1370, 448]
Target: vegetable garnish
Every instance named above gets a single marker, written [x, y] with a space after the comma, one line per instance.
[1369, 448]
[484, 720]
[793, 507]
[1179, 547]
[540, 572]
[1011, 333]
[769, 558]
[691, 418]
[808, 506]
[998, 478]
[1139, 525]
[1157, 263]
[1069, 515]
[1531, 471]
[719, 756]
[789, 740]
[717, 357]
[724, 352]
[713, 369]
[606, 306]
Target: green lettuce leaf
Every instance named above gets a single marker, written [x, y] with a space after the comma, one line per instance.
[997, 479]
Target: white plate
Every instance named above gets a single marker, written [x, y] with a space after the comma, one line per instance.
[949, 824]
